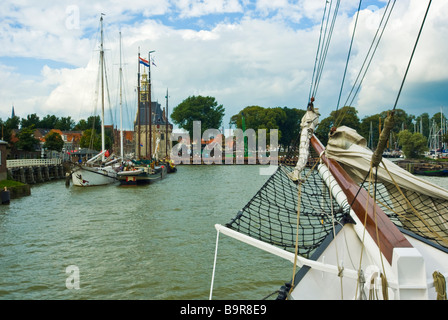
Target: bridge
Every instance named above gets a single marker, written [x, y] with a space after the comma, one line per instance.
[32, 171]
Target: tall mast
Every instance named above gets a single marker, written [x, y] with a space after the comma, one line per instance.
[138, 107]
[150, 104]
[166, 125]
[103, 144]
[121, 106]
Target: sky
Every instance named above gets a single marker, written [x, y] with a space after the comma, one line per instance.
[241, 52]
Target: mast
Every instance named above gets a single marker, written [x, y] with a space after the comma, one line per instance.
[103, 144]
[166, 125]
[121, 106]
[138, 107]
[150, 104]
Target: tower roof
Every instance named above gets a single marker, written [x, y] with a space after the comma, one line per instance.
[157, 115]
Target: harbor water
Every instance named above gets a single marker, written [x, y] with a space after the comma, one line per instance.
[154, 242]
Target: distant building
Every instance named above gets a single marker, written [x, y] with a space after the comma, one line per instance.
[158, 127]
[128, 141]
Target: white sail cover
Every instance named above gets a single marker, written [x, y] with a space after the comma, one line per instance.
[350, 149]
[421, 205]
[309, 122]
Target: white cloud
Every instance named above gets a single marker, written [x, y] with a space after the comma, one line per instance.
[198, 8]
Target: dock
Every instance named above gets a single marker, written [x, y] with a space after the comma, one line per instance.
[31, 171]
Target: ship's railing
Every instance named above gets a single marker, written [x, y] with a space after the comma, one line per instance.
[17, 163]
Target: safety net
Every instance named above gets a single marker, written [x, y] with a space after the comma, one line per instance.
[272, 214]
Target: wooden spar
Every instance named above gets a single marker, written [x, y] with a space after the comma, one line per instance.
[388, 234]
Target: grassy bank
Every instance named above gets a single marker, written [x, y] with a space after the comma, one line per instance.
[16, 188]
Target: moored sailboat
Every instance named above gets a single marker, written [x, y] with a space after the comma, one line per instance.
[99, 170]
[146, 168]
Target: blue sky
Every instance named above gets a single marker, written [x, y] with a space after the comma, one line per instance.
[242, 52]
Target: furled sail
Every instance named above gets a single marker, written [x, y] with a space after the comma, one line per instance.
[416, 204]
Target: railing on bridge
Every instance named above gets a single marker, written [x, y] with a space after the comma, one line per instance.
[17, 163]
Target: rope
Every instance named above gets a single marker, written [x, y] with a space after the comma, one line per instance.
[384, 137]
[412, 55]
[368, 53]
[296, 249]
[430, 229]
[326, 44]
[349, 53]
[440, 285]
[317, 52]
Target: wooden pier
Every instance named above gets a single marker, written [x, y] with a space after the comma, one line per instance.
[31, 171]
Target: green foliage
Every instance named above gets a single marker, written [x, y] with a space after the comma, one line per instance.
[92, 140]
[198, 108]
[31, 120]
[27, 142]
[346, 116]
[413, 144]
[8, 126]
[53, 141]
[92, 122]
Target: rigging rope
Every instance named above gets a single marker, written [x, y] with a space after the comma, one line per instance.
[412, 55]
[325, 45]
[349, 53]
[372, 45]
[440, 285]
[317, 52]
[341, 116]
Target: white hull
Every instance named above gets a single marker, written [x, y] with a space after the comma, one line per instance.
[93, 176]
[409, 276]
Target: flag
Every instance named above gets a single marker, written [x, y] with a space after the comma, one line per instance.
[144, 62]
[152, 61]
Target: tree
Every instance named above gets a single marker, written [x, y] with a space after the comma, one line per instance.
[198, 108]
[346, 116]
[256, 117]
[369, 129]
[48, 122]
[65, 124]
[423, 124]
[290, 127]
[27, 142]
[92, 122]
[413, 144]
[31, 120]
[53, 141]
[92, 140]
[8, 126]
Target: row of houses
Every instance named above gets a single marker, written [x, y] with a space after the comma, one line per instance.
[71, 149]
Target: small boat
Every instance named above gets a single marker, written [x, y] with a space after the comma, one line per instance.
[142, 175]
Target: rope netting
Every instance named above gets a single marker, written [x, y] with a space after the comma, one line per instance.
[420, 214]
[271, 215]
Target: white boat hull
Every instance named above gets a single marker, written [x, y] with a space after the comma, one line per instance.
[93, 176]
